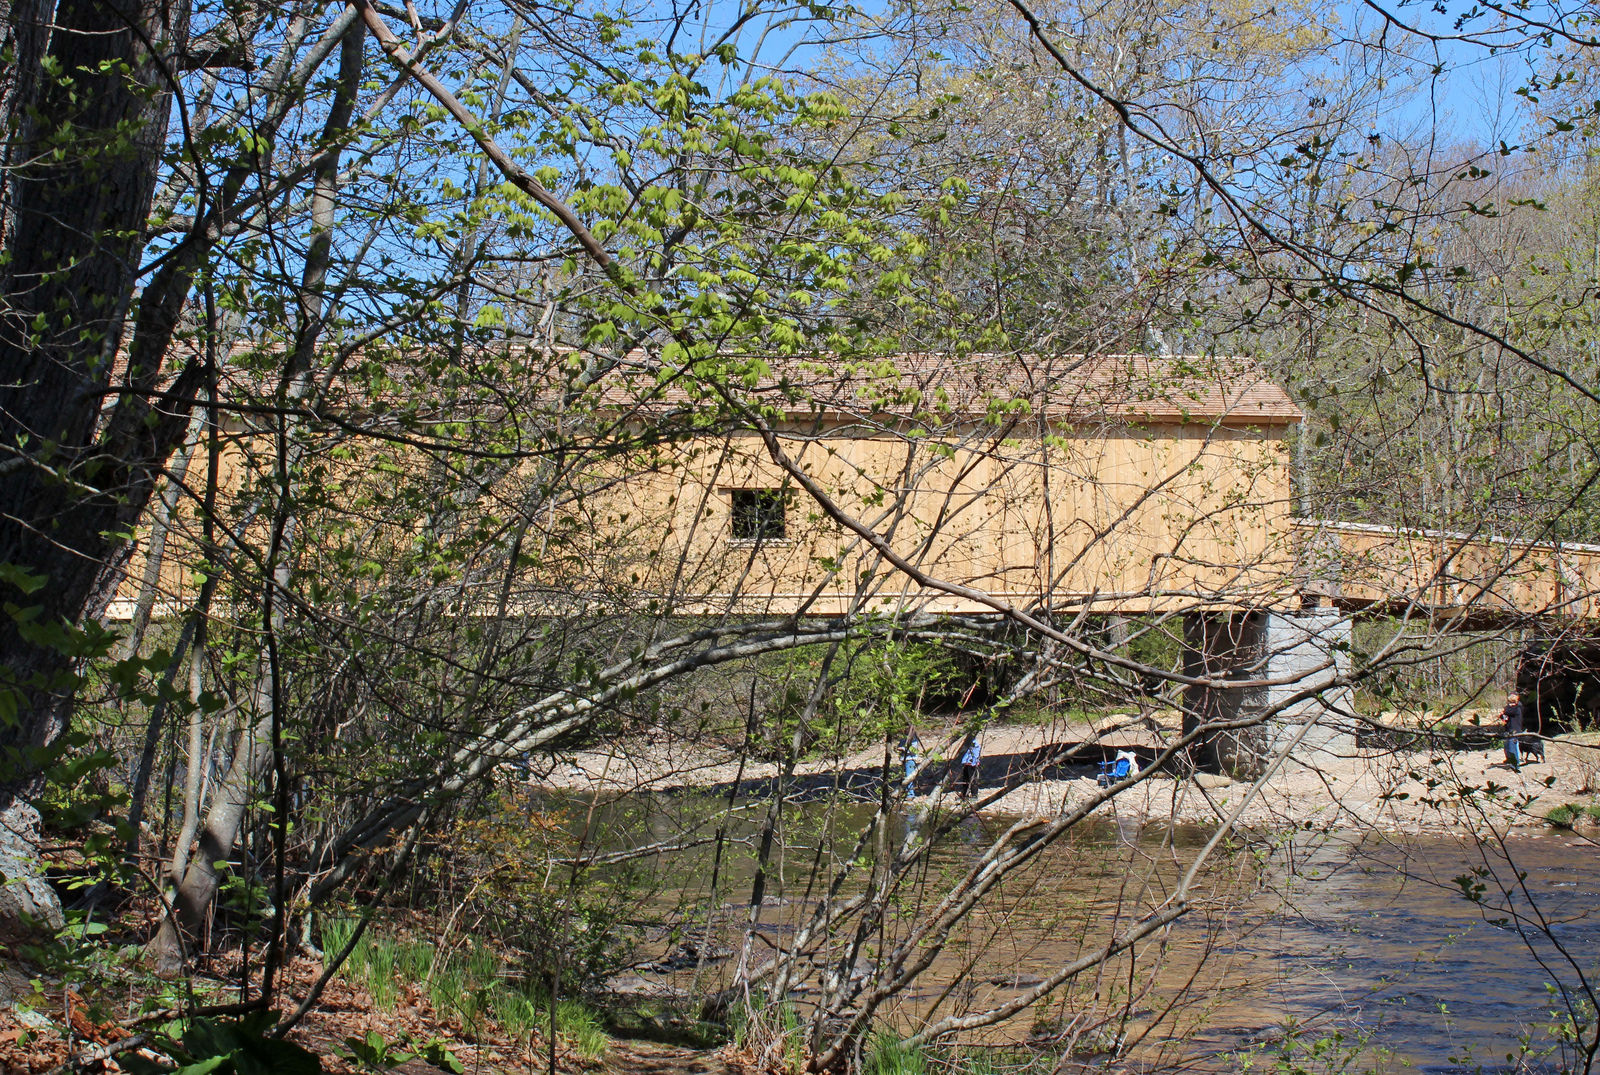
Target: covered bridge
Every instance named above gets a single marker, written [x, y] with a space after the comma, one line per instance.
[1062, 484]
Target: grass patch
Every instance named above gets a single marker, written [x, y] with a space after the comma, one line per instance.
[336, 933]
[888, 1055]
[517, 1012]
[371, 962]
[1567, 815]
[445, 987]
[378, 971]
[1033, 714]
[582, 1027]
[413, 962]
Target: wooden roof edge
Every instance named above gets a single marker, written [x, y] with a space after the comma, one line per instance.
[1218, 389]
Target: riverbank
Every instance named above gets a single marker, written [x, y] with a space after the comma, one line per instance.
[1045, 769]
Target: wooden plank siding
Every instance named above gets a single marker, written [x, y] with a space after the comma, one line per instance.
[1117, 519]
[1477, 579]
[1110, 483]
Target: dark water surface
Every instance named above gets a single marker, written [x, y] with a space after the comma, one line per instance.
[1427, 953]
[1398, 941]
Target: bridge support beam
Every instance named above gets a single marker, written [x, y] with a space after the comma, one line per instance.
[1305, 649]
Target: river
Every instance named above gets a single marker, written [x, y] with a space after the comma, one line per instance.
[1428, 953]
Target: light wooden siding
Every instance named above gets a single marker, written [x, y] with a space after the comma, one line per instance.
[1129, 517]
[178, 580]
[1402, 570]
[1142, 517]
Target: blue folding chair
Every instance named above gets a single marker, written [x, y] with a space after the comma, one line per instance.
[1113, 771]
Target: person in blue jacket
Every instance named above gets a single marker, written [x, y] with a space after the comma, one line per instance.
[1514, 723]
[911, 755]
[969, 768]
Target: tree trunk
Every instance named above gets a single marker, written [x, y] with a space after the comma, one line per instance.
[192, 898]
[24, 33]
[74, 478]
[194, 771]
[197, 887]
[155, 549]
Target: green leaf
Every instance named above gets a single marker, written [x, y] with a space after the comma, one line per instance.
[439, 1055]
[22, 579]
[201, 1067]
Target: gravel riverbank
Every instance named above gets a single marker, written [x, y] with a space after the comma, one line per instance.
[1389, 790]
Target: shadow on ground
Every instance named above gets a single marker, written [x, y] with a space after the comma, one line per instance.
[1053, 761]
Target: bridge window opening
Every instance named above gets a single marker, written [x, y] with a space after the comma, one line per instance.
[760, 514]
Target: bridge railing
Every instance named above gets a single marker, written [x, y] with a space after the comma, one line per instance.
[1439, 573]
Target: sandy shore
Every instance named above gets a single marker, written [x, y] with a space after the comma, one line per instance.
[1386, 790]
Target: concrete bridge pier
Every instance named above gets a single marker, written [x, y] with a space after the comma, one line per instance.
[1307, 648]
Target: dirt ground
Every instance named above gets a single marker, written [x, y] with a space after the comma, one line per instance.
[1346, 787]
[34, 1043]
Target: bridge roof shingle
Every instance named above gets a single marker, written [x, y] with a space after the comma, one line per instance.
[1137, 388]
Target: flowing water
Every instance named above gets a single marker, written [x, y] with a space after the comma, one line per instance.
[1426, 953]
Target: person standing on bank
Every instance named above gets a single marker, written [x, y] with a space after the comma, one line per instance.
[969, 768]
[911, 756]
[1514, 723]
